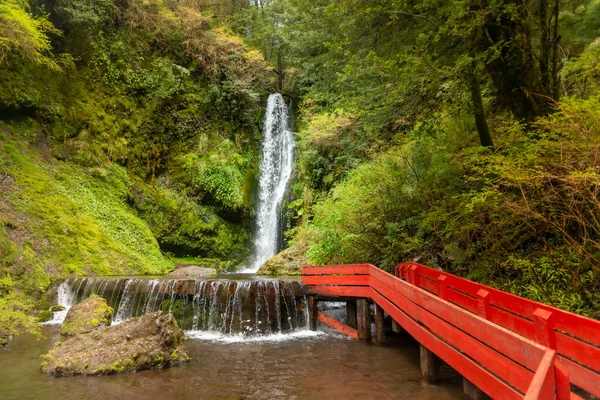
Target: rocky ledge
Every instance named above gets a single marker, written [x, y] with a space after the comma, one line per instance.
[91, 314]
[193, 271]
[151, 341]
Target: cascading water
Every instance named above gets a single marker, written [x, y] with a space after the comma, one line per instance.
[275, 173]
[241, 308]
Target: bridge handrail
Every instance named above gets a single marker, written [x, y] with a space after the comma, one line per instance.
[429, 304]
[575, 338]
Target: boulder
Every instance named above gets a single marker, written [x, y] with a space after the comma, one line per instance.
[91, 314]
[288, 262]
[150, 341]
[193, 271]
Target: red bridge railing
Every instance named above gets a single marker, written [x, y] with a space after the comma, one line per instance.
[508, 346]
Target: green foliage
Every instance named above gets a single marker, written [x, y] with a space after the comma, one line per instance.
[25, 34]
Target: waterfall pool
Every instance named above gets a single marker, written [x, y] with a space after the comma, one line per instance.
[320, 365]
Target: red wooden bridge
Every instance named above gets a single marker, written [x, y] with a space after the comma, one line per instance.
[504, 346]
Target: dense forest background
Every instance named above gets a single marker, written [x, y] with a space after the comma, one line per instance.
[462, 134]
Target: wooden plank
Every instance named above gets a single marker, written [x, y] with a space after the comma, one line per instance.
[463, 365]
[503, 367]
[429, 365]
[543, 323]
[582, 376]
[512, 322]
[337, 325]
[351, 313]
[338, 291]
[461, 299]
[576, 325]
[379, 326]
[340, 280]
[363, 319]
[525, 352]
[563, 383]
[356, 269]
[428, 285]
[584, 353]
[543, 385]
[483, 304]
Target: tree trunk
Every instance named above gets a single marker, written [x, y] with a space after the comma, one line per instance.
[555, 55]
[480, 121]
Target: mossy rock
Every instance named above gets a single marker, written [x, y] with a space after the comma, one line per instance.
[56, 308]
[45, 315]
[151, 341]
[91, 314]
[288, 262]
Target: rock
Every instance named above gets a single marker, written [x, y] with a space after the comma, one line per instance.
[45, 315]
[193, 271]
[91, 314]
[56, 308]
[151, 341]
[288, 262]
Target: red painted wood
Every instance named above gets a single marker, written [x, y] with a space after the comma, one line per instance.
[543, 385]
[543, 323]
[512, 322]
[586, 354]
[337, 325]
[428, 285]
[523, 351]
[576, 325]
[580, 340]
[339, 291]
[563, 384]
[491, 385]
[358, 269]
[503, 367]
[443, 287]
[458, 298]
[483, 304]
[582, 376]
[340, 280]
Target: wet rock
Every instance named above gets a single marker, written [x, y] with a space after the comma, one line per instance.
[288, 262]
[151, 341]
[193, 271]
[45, 315]
[91, 314]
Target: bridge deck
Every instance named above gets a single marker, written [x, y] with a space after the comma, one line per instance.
[507, 346]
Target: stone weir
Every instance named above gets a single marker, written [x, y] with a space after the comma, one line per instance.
[225, 306]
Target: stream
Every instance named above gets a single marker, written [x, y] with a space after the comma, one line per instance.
[304, 365]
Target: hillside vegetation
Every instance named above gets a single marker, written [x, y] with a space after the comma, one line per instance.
[129, 135]
[461, 134]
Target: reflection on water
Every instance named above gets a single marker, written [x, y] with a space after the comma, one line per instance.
[305, 366]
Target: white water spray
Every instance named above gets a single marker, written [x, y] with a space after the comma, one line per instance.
[275, 173]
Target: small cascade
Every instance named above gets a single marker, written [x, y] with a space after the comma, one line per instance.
[275, 173]
[228, 307]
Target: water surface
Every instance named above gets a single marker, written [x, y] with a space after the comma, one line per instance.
[309, 366]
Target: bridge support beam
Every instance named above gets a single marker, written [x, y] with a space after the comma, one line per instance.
[351, 313]
[473, 391]
[313, 312]
[363, 319]
[379, 326]
[430, 365]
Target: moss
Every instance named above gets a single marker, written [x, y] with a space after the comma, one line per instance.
[84, 317]
[3, 341]
[45, 315]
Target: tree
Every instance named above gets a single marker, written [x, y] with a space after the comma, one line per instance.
[24, 34]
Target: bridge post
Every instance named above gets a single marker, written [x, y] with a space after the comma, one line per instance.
[473, 391]
[351, 313]
[363, 319]
[429, 365]
[312, 313]
[379, 325]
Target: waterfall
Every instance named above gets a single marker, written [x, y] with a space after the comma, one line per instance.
[240, 308]
[275, 173]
